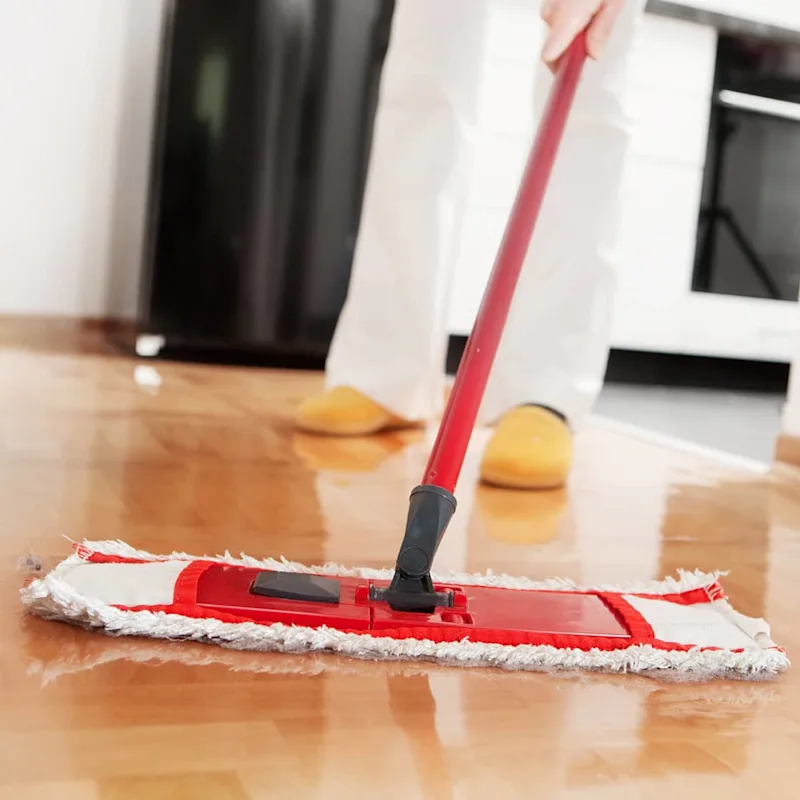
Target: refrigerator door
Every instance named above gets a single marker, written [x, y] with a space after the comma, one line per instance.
[263, 142]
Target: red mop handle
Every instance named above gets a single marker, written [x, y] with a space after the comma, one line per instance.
[458, 422]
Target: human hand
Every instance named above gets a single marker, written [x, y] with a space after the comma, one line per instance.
[566, 19]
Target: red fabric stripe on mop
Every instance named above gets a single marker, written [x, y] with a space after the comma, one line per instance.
[561, 642]
[443, 636]
[107, 558]
[639, 628]
[705, 594]
[192, 612]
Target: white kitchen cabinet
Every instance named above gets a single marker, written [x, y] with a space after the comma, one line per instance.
[656, 253]
[669, 96]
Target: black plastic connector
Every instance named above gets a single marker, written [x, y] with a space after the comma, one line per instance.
[430, 511]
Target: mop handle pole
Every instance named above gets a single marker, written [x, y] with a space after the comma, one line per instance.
[458, 422]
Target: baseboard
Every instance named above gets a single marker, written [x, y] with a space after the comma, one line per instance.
[106, 334]
[113, 336]
[53, 322]
[667, 369]
[238, 355]
[65, 334]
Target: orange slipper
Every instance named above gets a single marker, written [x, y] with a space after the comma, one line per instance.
[531, 448]
[343, 411]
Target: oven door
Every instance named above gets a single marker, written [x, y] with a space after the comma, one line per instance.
[749, 232]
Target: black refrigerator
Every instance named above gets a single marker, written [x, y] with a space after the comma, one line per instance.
[261, 151]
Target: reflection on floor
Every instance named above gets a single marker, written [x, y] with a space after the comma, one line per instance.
[746, 424]
[202, 459]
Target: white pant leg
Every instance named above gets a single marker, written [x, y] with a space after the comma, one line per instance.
[391, 338]
[555, 347]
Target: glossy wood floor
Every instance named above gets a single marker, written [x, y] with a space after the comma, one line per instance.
[204, 459]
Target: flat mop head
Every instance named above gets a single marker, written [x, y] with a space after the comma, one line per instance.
[679, 628]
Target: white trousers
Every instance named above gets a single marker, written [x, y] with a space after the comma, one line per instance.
[391, 338]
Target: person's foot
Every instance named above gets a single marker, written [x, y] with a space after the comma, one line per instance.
[531, 448]
[343, 411]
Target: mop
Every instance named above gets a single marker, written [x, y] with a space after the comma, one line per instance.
[680, 628]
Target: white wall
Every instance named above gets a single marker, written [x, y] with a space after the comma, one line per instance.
[77, 91]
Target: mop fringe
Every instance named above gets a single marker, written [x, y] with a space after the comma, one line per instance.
[85, 654]
[51, 597]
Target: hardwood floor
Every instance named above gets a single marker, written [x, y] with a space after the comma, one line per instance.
[205, 459]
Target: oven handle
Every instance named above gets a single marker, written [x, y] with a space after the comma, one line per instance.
[760, 105]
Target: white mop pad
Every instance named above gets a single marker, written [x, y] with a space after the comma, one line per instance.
[680, 628]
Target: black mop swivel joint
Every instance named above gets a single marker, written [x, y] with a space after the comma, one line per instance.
[411, 589]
